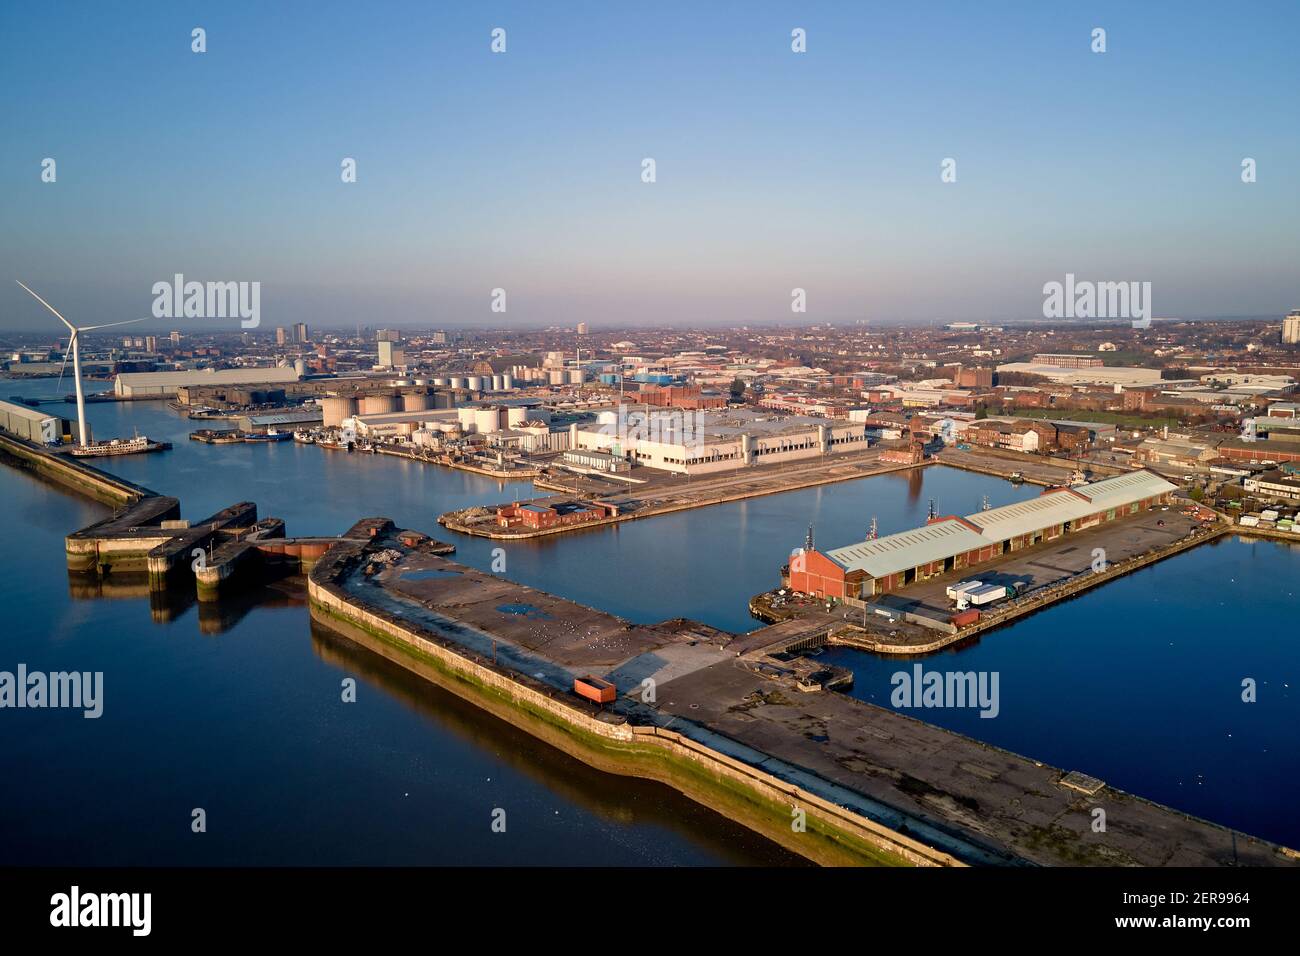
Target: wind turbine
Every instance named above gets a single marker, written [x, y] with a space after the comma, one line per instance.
[76, 358]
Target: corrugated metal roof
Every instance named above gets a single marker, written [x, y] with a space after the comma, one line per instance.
[1124, 489]
[1023, 517]
[907, 549]
[952, 536]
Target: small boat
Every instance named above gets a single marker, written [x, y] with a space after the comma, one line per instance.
[1016, 477]
[306, 437]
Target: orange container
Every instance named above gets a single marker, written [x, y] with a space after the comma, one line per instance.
[595, 689]
[964, 618]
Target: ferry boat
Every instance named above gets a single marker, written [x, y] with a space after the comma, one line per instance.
[119, 446]
[271, 434]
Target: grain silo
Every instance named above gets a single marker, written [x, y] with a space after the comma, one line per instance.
[415, 402]
[335, 408]
[378, 404]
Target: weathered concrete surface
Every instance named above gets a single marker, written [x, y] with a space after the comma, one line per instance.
[966, 798]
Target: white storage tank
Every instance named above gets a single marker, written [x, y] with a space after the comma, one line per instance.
[415, 402]
[556, 377]
[497, 382]
[475, 383]
[516, 417]
[487, 420]
[440, 380]
[458, 381]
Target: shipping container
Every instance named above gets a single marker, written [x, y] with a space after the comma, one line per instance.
[965, 618]
[595, 689]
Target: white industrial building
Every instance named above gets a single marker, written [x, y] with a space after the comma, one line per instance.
[164, 384]
[703, 442]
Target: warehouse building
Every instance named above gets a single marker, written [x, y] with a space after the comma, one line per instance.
[137, 385]
[37, 426]
[888, 564]
[704, 442]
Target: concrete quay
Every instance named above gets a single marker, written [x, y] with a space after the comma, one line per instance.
[731, 731]
[666, 494]
[1053, 571]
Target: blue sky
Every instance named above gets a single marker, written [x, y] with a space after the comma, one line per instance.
[775, 170]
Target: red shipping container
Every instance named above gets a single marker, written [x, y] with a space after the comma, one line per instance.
[964, 618]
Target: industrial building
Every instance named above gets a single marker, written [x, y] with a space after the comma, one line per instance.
[888, 564]
[37, 426]
[137, 385]
[704, 442]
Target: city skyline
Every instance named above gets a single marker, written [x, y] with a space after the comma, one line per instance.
[775, 170]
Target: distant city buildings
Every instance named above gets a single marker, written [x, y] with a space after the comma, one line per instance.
[300, 333]
[1291, 328]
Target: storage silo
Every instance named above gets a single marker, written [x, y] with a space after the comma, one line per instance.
[378, 404]
[575, 376]
[299, 367]
[516, 416]
[440, 380]
[556, 377]
[507, 382]
[497, 382]
[415, 402]
[487, 420]
[475, 383]
[335, 408]
[458, 381]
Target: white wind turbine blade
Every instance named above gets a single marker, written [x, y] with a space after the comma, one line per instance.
[72, 343]
[109, 325]
[48, 306]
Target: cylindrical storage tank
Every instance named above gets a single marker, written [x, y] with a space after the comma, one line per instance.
[516, 417]
[334, 409]
[497, 381]
[440, 380]
[575, 376]
[402, 382]
[415, 402]
[507, 382]
[299, 367]
[556, 378]
[475, 383]
[378, 404]
[421, 381]
[487, 420]
[458, 381]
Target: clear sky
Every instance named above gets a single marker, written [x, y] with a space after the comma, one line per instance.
[522, 170]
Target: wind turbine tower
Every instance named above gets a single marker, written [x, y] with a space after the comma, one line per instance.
[75, 345]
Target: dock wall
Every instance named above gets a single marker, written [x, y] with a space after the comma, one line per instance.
[752, 796]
